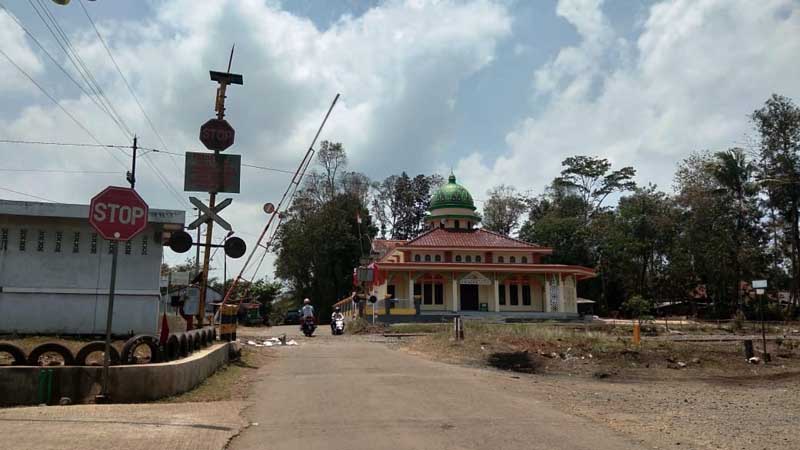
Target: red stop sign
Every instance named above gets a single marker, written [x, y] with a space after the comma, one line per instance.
[217, 134]
[118, 213]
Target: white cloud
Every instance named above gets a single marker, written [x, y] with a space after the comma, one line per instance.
[696, 72]
[13, 44]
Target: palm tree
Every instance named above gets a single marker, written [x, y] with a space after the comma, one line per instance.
[734, 173]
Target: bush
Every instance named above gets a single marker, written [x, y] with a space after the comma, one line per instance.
[357, 326]
[639, 308]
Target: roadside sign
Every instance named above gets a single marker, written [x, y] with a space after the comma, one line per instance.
[207, 172]
[217, 134]
[759, 284]
[118, 213]
[269, 208]
[180, 278]
[209, 213]
[760, 291]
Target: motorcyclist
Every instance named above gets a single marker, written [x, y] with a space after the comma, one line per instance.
[306, 311]
[337, 315]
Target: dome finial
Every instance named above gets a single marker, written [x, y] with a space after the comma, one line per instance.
[452, 178]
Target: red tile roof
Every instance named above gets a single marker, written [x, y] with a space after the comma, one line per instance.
[480, 238]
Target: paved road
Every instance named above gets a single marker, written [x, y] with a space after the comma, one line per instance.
[346, 393]
[177, 426]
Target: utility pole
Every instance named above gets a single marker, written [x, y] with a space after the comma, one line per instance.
[131, 175]
[224, 79]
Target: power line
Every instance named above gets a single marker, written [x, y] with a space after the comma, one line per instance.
[125, 79]
[272, 169]
[164, 180]
[147, 149]
[104, 172]
[64, 144]
[77, 122]
[53, 59]
[66, 45]
[27, 195]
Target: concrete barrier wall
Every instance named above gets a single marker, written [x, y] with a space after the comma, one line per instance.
[127, 384]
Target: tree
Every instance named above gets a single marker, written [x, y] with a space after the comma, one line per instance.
[733, 172]
[591, 178]
[503, 209]
[778, 123]
[639, 308]
[721, 225]
[321, 241]
[565, 217]
[401, 202]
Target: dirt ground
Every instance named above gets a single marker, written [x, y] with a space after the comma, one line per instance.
[679, 394]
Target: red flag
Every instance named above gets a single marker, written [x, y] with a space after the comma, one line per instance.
[164, 330]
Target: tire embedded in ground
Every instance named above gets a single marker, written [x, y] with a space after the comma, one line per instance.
[51, 347]
[202, 336]
[172, 349]
[128, 350]
[183, 340]
[16, 354]
[190, 342]
[92, 347]
[197, 338]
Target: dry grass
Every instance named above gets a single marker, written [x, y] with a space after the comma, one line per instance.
[577, 350]
[230, 382]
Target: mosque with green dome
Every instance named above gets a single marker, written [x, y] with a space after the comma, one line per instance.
[455, 266]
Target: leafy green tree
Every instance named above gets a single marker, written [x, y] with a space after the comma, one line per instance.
[321, 241]
[399, 203]
[778, 123]
[722, 233]
[734, 174]
[639, 308]
[593, 180]
[503, 209]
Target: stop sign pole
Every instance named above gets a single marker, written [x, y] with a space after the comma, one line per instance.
[118, 214]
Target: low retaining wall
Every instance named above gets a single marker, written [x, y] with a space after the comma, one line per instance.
[127, 384]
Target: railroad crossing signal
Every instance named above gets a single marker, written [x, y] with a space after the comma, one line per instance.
[210, 213]
[118, 213]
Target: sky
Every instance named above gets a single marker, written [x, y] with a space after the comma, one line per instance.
[497, 91]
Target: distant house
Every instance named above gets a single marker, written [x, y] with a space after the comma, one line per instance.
[54, 271]
[189, 298]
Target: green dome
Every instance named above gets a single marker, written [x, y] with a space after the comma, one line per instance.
[452, 195]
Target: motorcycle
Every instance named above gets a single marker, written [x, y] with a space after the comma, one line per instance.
[309, 326]
[337, 327]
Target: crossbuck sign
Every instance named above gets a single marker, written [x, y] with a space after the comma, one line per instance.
[210, 213]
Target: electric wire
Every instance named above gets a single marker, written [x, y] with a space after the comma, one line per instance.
[146, 150]
[27, 195]
[97, 172]
[125, 79]
[63, 41]
[64, 110]
[93, 98]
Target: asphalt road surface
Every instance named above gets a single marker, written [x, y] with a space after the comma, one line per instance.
[347, 393]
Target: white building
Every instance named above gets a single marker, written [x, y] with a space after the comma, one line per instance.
[55, 271]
